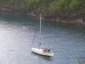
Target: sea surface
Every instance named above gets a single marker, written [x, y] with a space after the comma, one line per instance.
[16, 41]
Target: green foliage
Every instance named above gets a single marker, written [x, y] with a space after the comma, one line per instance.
[31, 2]
[74, 5]
[53, 6]
[3, 1]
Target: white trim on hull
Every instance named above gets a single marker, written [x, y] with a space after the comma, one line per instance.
[41, 52]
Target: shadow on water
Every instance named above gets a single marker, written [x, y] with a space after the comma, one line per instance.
[42, 57]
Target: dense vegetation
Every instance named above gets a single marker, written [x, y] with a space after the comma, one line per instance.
[49, 8]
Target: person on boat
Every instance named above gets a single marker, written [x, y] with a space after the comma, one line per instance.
[46, 50]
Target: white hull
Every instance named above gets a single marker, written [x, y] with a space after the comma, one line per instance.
[41, 52]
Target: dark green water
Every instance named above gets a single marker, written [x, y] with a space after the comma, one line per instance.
[16, 36]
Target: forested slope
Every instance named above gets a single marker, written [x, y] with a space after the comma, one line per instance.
[68, 9]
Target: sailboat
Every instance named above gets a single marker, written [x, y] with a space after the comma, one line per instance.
[42, 51]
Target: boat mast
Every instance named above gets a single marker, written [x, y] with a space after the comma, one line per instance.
[40, 28]
[40, 23]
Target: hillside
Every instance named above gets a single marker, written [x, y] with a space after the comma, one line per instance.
[71, 10]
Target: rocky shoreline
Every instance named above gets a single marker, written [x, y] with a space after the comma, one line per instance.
[29, 12]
